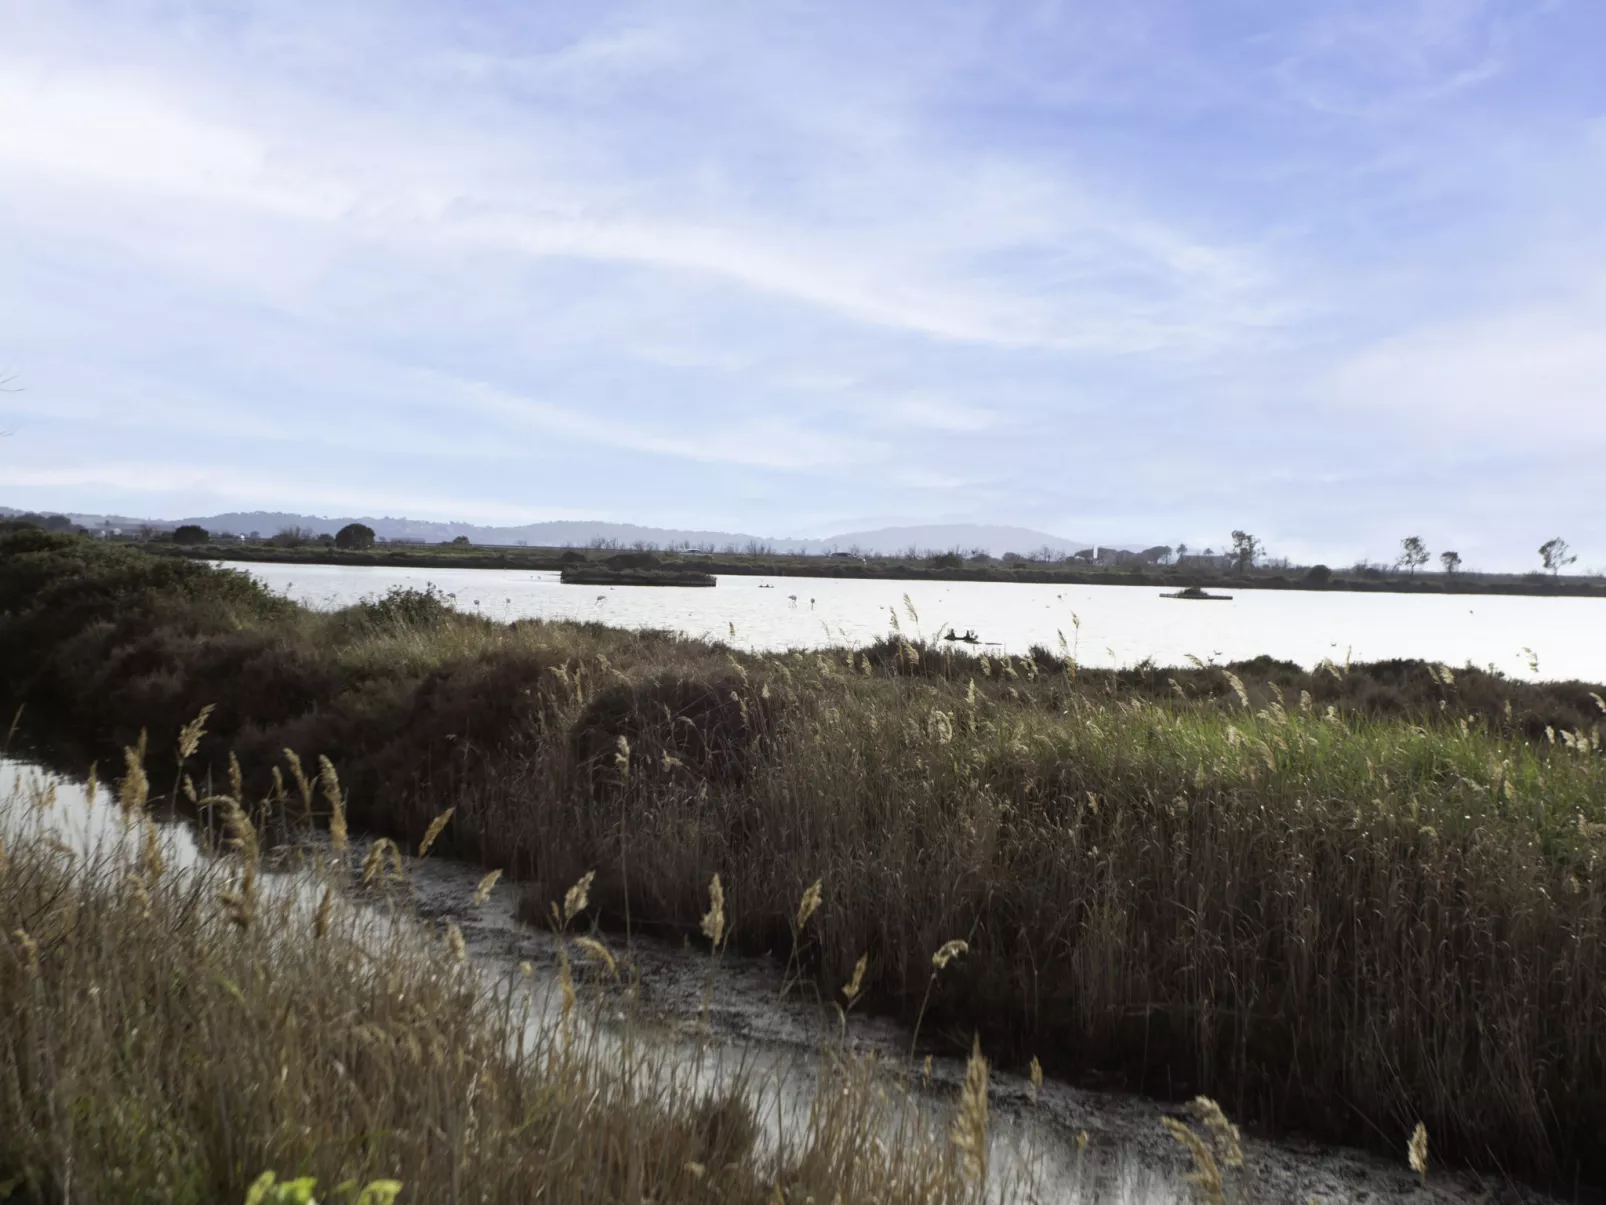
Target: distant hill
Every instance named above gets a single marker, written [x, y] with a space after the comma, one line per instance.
[965, 537]
[961, 536]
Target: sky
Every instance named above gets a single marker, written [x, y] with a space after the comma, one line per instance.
[1332, 272]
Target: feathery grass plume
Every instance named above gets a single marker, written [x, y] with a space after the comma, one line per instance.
[970, 1126]
[240, 903]
[189, 736]
[1599, 702]
[92, 787]
[577, 897]
[621, 757]
[320, 919]
[135, 788]
[949, 951]
[808, 905]
[483, 891]
[330, 782]
[236, 778]
[714, 918]
[1081, 1141]
[1037, 1075]
[151, 863]
[1237, 684]
[373, 865]
[925, 1071]
[302, 783]
[1417, 1152]
[454, 941]
[854, 986]
[1228, 1142]
[599, 953]
[434, 831]
[1206, 1174]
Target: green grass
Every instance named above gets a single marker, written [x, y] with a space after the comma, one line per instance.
[1346, 901]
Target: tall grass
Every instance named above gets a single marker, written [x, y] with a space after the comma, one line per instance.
[173, 1032]
[1348, 900]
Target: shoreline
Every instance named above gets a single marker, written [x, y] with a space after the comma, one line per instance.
[890, 569]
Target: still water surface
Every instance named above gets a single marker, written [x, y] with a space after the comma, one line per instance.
[1528, 637]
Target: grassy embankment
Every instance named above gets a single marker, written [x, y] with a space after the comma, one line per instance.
[896, 568]
[173, 1032]
[1344, 900]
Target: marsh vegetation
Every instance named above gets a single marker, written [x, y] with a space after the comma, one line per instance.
[1350, 900]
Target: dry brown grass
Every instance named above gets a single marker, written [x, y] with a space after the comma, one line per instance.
[171, 1032]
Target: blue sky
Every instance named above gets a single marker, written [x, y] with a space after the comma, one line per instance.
[1331, 271]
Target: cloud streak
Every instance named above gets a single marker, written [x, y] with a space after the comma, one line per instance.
[801, 266]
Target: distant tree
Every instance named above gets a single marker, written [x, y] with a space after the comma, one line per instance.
[191, 533]
[1451, 562]
[1182, 551]
[1158, 555]
[355, 536]
[460, 541]
[1413, 552]
[947, 560]
[1245, 549]
[1318, 575]
[1554, 553]
[293, 537]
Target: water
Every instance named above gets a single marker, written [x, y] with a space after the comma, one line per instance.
[1521, 636]
[725, 1022]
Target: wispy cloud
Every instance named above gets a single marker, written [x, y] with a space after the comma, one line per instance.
[829, 260]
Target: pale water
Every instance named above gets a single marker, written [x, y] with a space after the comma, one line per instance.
[1522, 636]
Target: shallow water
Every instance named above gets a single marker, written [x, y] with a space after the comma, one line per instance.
[726, 1021]
[1525, 637]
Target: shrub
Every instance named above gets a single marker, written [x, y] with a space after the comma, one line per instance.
[294, 537]
[355, 536]
[1318, 575]
[191, 533]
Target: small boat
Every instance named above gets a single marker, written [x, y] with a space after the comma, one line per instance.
[1198, 594]
[968, 638]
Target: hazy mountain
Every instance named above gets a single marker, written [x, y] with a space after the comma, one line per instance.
[964, 537]
[961, 536]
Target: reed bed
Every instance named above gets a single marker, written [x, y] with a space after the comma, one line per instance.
[195, 1033]
[1348, 900]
